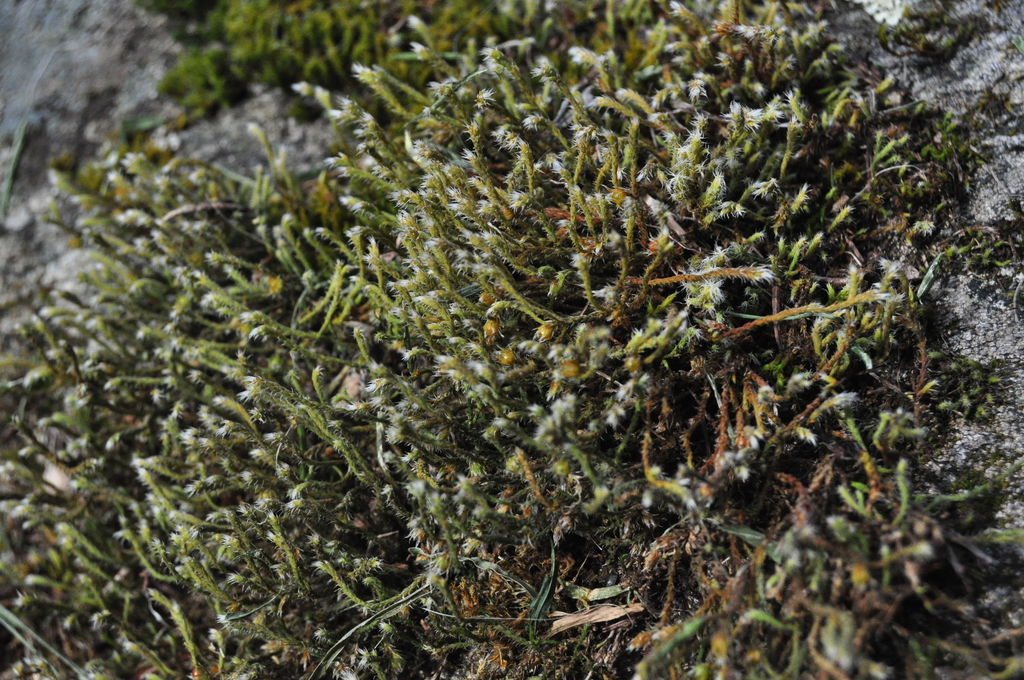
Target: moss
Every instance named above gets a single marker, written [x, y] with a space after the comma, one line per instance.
[203, 81]
[319, 41]
[564, 315]
[980, 511]
[935, 33]
[970, 388]
[194, 10]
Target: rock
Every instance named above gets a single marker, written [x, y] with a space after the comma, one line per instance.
[73, 70]
[227, 140]
[982, 84]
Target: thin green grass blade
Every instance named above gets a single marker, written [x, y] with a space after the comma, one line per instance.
[19, 144]
[335, 651]
[19, 629]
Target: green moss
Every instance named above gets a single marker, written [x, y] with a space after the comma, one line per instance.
[194, 10]
[935, 33]
[319, 41]
[565, 315]
[979, 511]
[969, 388]
[204, 81]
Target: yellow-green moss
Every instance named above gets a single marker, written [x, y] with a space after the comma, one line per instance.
[319, 41]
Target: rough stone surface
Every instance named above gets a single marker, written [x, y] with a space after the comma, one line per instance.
[68, 70]
[982, 84]
[72, 71]
[984, 326]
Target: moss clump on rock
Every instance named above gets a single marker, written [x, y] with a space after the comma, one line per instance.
[546, 377]
[318, 41]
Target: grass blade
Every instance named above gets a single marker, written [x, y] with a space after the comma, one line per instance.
[19, 144]
[491, 566]
[335, 651]
[929, 276]
[19, 629]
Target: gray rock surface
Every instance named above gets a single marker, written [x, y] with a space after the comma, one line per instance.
[984, 326]
[982, 84]
[72, 71]
[68, 70]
